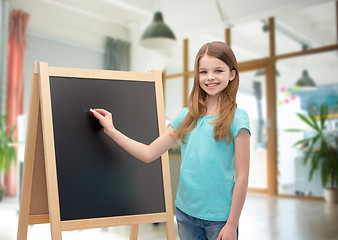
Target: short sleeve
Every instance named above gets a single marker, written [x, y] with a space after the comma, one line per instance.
[241, 120]
[179, 118]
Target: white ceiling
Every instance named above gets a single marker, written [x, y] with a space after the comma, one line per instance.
[88, 22]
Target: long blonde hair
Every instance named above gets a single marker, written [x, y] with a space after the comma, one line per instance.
[227, 98]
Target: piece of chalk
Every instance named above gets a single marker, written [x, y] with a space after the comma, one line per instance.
[93, 111]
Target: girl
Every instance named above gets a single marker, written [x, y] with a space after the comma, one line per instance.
[215, 144]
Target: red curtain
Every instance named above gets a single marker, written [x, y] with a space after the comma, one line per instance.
[17, 45]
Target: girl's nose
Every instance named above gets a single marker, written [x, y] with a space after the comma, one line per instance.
[211, 76]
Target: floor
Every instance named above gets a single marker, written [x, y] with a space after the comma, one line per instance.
[263, 218]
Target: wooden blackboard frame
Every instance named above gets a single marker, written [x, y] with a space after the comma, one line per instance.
[39, 197]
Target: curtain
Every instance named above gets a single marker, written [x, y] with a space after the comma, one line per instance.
[17, 45]
[4, 22]
[117, 55]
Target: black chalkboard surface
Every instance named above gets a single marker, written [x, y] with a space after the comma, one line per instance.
[97, 178]
[75, 177]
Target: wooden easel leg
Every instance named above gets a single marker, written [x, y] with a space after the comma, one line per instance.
[133, 232]
[170, 229]
[27, 178]
[49, 151]
[25, 200]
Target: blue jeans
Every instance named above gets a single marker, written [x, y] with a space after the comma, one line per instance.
[191, 228]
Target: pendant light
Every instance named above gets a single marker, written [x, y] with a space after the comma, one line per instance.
[305, 82]
[158, 35]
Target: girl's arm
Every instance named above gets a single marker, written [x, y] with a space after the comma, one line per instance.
[146, 153]
[242, 162]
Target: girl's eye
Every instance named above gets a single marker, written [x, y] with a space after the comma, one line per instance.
[219, 71]
[203, 72]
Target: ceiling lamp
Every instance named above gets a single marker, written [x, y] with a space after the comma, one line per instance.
[305, 82]
[158, 35]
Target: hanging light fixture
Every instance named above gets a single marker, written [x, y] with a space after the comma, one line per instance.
[305, 82]
[158, 35]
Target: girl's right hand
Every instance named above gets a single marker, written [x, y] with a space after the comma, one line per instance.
[146, 153]
[105, 118]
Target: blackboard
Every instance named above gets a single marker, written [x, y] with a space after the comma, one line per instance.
[75, 177]
[96, 178]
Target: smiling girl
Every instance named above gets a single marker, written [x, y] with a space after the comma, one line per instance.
[215, 146]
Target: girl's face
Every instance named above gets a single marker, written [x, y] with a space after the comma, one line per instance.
[214, 75]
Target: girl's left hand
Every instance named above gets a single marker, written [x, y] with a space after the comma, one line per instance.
[227, 233]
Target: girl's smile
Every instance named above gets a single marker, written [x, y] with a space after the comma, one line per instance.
[211, 85]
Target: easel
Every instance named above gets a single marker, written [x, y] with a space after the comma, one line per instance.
[39, 197]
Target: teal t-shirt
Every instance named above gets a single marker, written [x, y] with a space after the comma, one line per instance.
[206, 181]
